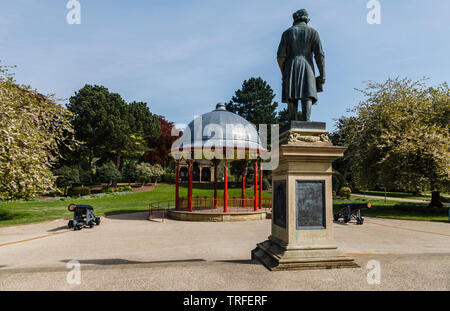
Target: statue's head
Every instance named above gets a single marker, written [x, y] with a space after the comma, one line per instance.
[301, 16]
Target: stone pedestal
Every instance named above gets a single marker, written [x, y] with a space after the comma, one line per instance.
[302, 203]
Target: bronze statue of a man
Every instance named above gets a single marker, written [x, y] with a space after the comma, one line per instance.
[295, 58]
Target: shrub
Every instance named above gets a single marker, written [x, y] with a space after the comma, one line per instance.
[345, 192]
[124, 189]
[79, 191]
[338, 181]
[127, 188]
[107, 190]
[168, 177]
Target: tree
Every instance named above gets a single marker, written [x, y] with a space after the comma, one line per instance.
[144, 128]
[108, 173]
[144, 122]
[254, 103]
[400, 136]
[109, 127]
[342, 136]
[33, 127]
[146, 172]
[67, 177]
[90, 108]
[160, 148]
[129, 172]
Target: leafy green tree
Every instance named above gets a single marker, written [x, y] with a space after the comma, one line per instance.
[91, 112]
[109, 127]
[144, 127]
[342, 136]
[400, 137]
[254, 102]
[67, 177]
[146, 172]
[33, 127]
[108, 173]
[144, 122]
[129, 171]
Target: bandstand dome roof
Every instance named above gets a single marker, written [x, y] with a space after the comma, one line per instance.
[220, 128]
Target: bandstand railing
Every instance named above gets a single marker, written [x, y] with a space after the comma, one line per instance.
[211, 203]
[157, 210]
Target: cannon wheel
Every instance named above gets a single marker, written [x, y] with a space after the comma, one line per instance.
[91, 224]
[97, 221]
[359, 221]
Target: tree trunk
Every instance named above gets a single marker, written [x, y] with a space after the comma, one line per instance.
[119, 155]
[435, 196]
[91, 163]
[436, 199]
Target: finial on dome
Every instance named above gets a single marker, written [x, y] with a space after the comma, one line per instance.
[221, 106]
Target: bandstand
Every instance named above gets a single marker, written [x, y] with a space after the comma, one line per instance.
[217, 138]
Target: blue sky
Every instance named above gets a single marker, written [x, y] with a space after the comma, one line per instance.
[182, 57]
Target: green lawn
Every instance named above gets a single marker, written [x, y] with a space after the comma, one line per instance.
[402, 195]
[12, 213]
[398, 210]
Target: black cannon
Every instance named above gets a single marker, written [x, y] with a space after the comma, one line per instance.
[350, 211]
[83, 215]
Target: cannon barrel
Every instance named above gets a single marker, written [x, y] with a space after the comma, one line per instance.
[72, 207]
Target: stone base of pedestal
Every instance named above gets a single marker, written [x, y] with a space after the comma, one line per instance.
[276, 257]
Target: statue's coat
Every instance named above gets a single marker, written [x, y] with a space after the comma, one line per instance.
[295, 56]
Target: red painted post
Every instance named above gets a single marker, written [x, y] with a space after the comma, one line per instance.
[225, 187]
[255, 203]
[244, 172]
[260, 185]
[215, 184]
[177, 186]
[190, 187]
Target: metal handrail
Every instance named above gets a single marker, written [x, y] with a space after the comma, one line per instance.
[158, 207]
[231, 202]
[205, 203]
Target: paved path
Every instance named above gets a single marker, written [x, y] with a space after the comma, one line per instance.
[128, 252]
[394, 199]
